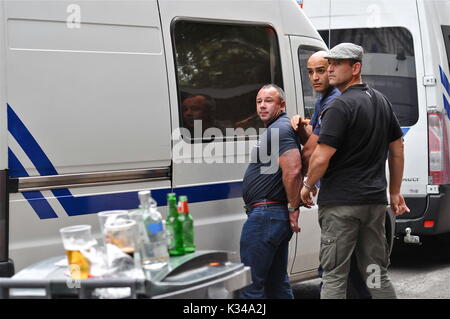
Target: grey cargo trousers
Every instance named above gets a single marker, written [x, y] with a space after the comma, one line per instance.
[354, 228]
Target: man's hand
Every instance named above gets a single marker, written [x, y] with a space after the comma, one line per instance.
[301, 128]
[293, 220]
[398, 204]
[306, 196]
[297, 122]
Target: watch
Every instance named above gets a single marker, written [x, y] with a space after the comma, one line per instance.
[292, 209]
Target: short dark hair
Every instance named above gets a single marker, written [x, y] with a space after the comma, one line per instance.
[281, 93]
[353, 61]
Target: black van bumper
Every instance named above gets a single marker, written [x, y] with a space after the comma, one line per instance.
[435, 207]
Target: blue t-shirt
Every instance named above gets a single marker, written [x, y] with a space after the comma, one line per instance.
[263, 177]
[320, 105]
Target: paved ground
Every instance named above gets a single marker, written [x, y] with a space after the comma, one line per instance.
[422, 271]
[417, 272]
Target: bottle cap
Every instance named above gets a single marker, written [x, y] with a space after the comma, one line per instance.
[171, 196]
[182, 198]
[144, 196]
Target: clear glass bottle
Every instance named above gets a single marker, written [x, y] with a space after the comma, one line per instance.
[154, 253]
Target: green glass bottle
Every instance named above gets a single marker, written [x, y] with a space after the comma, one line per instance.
[174, 227]
[188, 224]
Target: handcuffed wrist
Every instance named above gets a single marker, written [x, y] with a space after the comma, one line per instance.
[292, 209]
[309, 187]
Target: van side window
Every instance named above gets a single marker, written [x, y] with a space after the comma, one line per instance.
[309, 95]
[220, 68]
[446, 33]
[388, 65]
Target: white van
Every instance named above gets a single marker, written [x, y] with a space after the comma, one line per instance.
[407, 54]
[91, 92]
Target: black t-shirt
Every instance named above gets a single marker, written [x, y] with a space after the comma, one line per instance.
[359, 124]
[263, 177]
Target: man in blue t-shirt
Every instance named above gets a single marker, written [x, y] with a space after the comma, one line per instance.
[309, 132]
[271, 188]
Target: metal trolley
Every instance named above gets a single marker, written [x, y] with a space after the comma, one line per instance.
[199, 275]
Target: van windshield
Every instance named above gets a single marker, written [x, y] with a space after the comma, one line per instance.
[388, 65]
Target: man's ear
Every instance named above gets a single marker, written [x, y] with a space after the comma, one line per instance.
[356, 68]
[283, 105]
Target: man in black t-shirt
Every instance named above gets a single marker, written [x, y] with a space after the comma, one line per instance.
[317, 68]
[357, 130]
[271, 192]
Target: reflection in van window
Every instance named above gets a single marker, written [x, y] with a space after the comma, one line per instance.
[220, 68]
[388, 65]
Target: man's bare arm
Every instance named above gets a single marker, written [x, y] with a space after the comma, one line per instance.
[318, 165]
[396, 165]
[307, 151]
[291, 167]
[303, 134]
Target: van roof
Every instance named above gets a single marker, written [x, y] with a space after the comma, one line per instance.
[285, 15]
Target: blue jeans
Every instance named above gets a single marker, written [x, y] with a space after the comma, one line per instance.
[264, 247]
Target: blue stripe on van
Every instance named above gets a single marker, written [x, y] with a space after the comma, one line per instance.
[36, 199]
[30, 146]
[405, 130]
[81, 205]
[210, 192]
[446, 105]
[444, 80]
[84, 205]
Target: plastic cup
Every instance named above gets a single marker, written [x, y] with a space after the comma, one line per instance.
[122, 234]
[77, 240]
[110, 216]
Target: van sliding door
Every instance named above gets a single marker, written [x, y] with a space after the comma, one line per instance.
[305, 248]
[218, 68]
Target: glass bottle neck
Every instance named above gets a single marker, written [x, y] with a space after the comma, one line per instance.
[173, 211]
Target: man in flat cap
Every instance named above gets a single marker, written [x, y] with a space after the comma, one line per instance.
[358, 129]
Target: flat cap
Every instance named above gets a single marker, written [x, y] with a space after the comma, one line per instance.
[345, 51]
